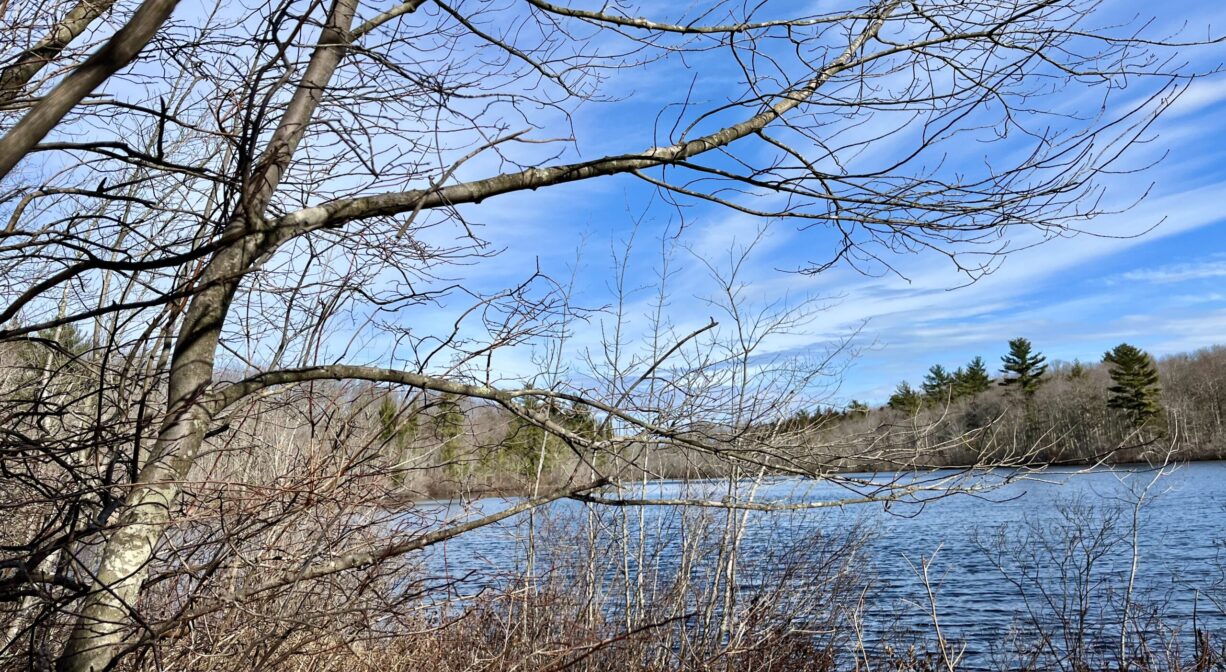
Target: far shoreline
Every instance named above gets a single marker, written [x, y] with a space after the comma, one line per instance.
[470, 495]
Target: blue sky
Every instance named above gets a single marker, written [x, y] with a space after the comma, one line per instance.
[1162, 289]
[1155, 276]
[1074, 298]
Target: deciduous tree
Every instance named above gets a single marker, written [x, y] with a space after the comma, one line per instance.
[251, 199]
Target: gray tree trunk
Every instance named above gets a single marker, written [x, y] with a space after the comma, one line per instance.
[103, 623]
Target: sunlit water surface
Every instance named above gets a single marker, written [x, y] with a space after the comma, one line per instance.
[1180, 553]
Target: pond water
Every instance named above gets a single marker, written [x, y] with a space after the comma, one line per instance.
[1180, 531]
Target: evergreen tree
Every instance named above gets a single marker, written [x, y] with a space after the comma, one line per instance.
[1135, 390]
[801, 420]
[938, 384]
[972, 380]
[394, 429]
[857, 408]
[527, 446]
[578, 419]
[397, 433]
[448, 427]
[1023, 368]
[906, 399]
[68, 338]
[50, 364]
[1077, 371]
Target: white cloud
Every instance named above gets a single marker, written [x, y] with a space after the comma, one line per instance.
[1179, 272]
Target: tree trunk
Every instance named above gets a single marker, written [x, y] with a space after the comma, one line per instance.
[102, 625]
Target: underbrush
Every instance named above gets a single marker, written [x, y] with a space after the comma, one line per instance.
[601, 591]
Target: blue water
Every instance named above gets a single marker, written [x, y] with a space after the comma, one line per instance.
[1025, 523]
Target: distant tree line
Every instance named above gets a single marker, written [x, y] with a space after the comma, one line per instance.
[1129, 406]
[1134, 389]
[478, 447]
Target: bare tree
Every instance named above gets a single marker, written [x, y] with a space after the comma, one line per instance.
[205, 199]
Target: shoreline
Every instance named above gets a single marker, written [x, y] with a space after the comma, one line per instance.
[509, 493]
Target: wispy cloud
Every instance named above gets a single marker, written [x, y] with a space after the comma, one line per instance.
[1169, 273]
[1074, 297]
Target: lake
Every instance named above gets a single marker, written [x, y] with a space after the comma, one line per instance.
[1030, 526]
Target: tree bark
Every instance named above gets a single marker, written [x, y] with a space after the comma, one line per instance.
[15, 76]
[119, 51]
[102, 625]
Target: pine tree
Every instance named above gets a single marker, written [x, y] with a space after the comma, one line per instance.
[937, 384]
[1023, 368]
[527, 446]
[1077, 371]
[1136, 386]
[68, 338]
[801, 420]
[397, 433]
[857, 408]
[449, 427]
[972, 380]
[578, 419]
[394, 429]
[906, 399]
